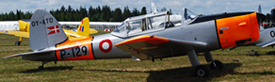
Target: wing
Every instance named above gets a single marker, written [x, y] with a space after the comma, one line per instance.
[16, 33]
[146, 47]
[93, 31]
[266, 43]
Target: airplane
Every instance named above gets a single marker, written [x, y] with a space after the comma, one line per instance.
[146, 37]
[268, 38]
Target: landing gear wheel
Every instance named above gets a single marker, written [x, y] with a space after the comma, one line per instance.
[17, 43]
[201, 71]
[218, 63]
[41, 67]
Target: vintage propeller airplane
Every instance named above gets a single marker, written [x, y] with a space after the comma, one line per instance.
[150, 36]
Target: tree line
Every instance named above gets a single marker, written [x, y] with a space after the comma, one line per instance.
[104, 14]
[98, 13]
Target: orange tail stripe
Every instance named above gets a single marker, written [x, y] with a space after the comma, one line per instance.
[147, 38]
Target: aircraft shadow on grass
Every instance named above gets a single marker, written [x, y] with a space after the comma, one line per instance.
[178, 74]
[271, 53]
[56, 68]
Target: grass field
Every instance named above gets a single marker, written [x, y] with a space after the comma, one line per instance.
[238, 66]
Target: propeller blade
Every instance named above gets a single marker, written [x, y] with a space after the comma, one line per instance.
[18, 14]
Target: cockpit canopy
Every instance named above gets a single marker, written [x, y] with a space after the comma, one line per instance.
[152, 22]
[145, 23]
[188, 16]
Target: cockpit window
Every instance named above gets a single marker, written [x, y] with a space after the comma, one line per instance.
[120, 28]
[157, 22]
[189, 16]
[135, 26]
[142, 24]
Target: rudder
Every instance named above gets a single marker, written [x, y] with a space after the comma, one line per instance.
[45, 31]
[83, 28]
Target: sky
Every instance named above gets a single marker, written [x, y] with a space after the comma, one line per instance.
[205, 7]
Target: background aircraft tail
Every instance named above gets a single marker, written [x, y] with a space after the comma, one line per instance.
[23, 25]
[154, 9]
[260, 9]
[83, 28]
[45, 31]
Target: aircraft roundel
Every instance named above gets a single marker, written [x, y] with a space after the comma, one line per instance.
[105, 46]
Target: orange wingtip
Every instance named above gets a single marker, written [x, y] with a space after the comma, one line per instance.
[146, 38]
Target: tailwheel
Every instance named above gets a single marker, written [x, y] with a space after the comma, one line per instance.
[218, 65]
[201, 71]
[41, 67]
[17, 43]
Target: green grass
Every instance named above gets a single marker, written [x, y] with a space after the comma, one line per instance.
[247, 68]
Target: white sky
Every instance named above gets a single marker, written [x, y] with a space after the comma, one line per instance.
[197, 6]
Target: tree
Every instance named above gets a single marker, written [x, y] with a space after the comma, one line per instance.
[11, 16]
[70, 9]
[143, 11]
[163, 9]
[83, 12]
[98, 13]
[135, 12]
[117, 15]
[28, 15]
[62, 9]
[91, 12]
[126, 13]
[98, 9]
[170, 11]
[106, 13]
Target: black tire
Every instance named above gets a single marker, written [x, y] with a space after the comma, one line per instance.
[218, 64]
[17, 43]
[41, 67]
[201, 71]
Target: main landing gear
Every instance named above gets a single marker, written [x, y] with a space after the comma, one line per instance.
[201, 70]
[17, 43]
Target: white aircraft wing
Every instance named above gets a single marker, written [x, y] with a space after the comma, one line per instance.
[266, 43]
[144, 47]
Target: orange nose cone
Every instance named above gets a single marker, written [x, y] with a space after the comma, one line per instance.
[238, 28]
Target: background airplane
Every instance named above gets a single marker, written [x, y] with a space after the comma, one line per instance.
[268, 32]
[146, 37]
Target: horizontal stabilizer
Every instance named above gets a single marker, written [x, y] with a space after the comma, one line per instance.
[31, 53]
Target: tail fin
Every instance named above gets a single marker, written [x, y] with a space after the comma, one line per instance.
[23, 25]
[260, 9]
[83, 28]
[154, 9]
[45, 31]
